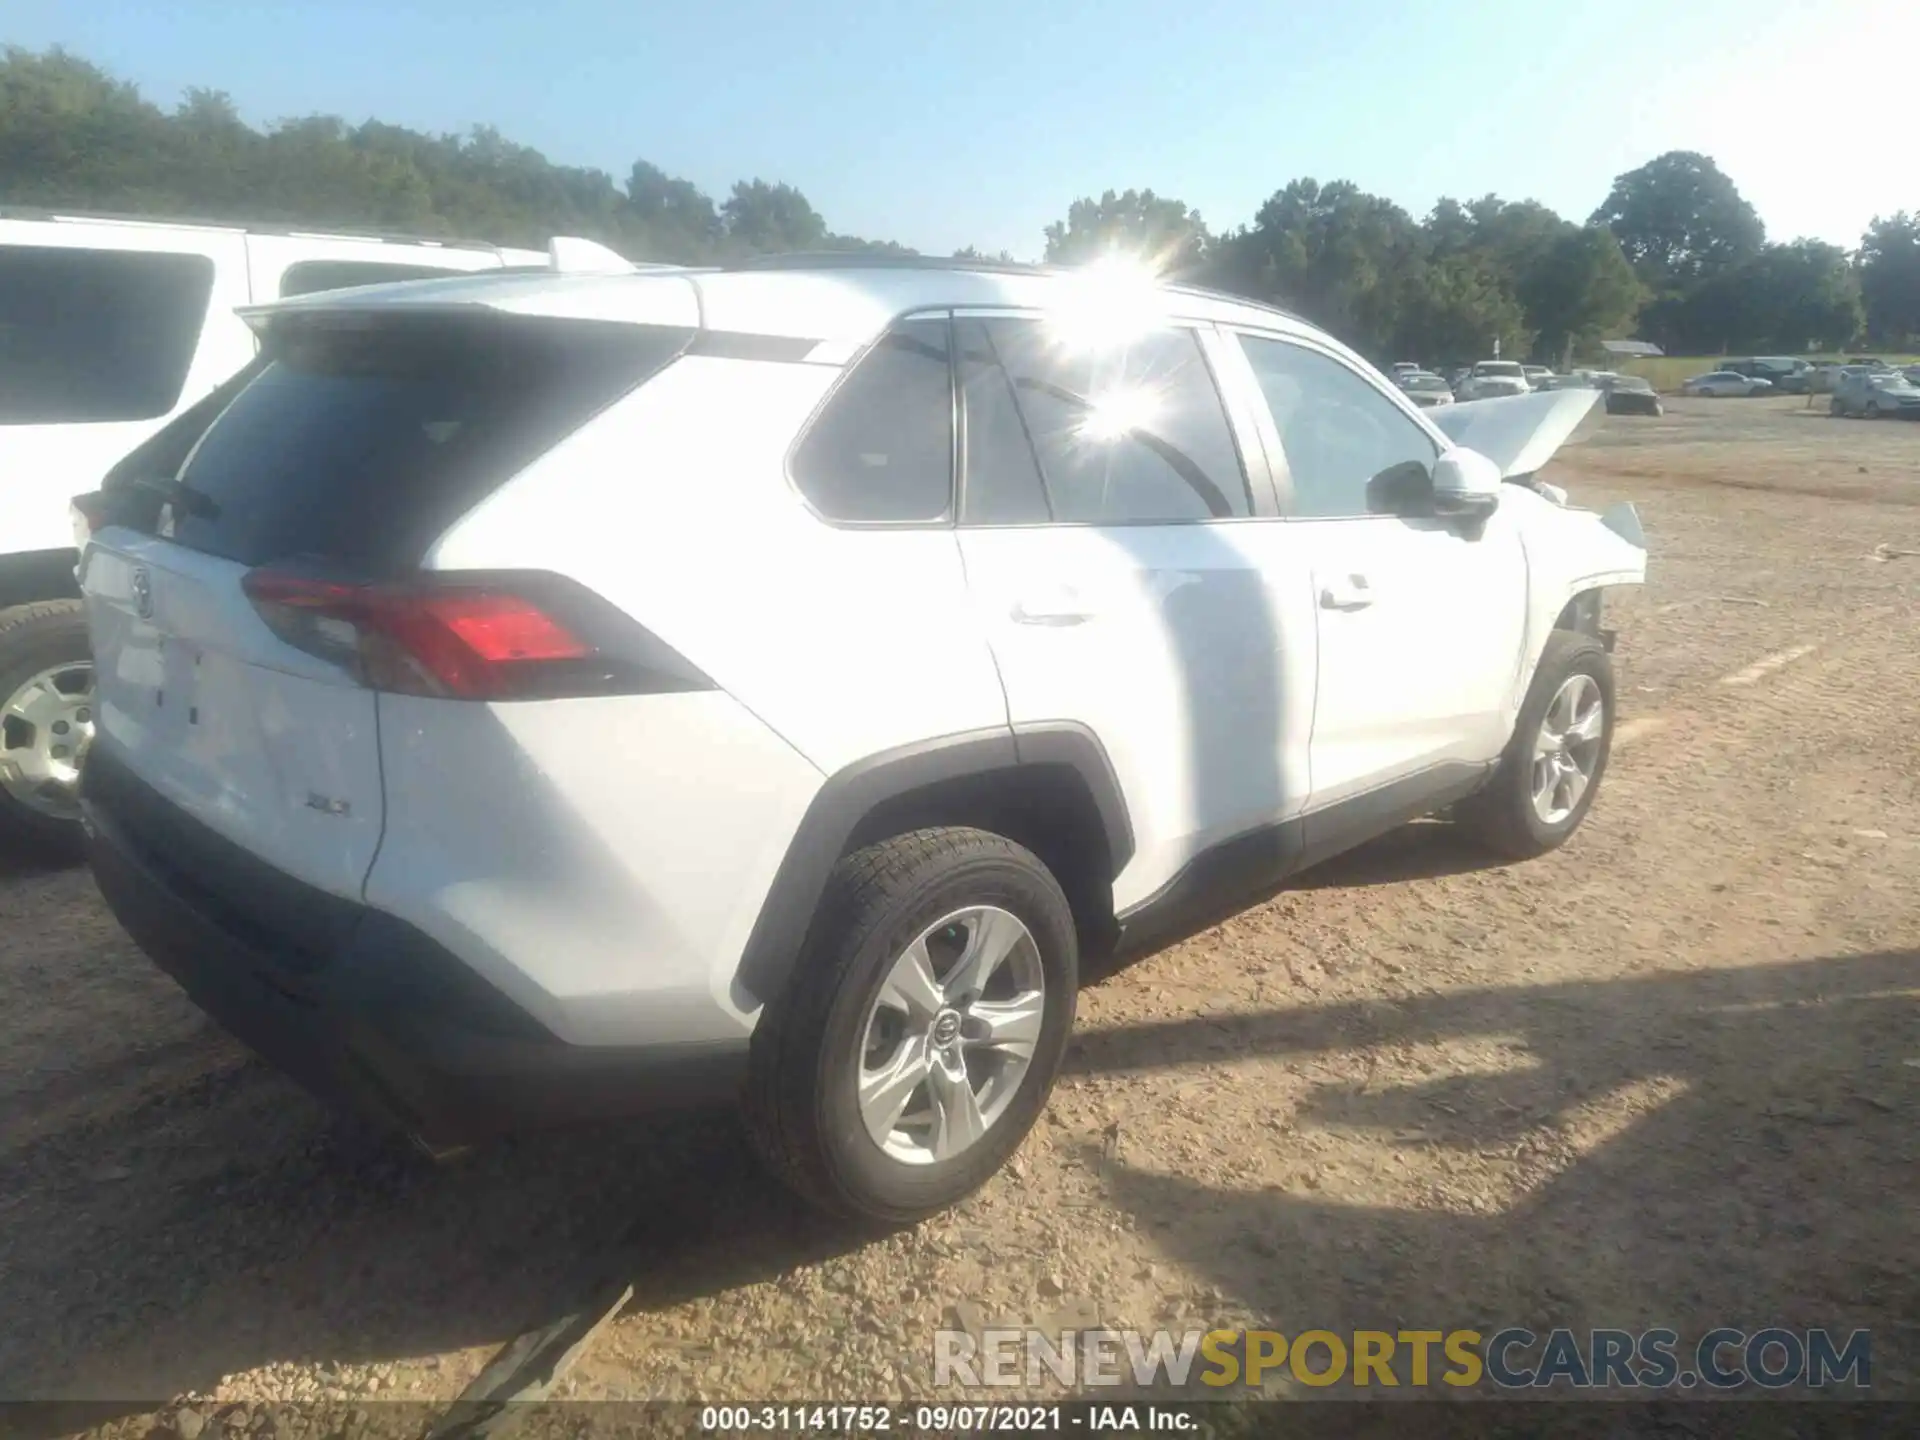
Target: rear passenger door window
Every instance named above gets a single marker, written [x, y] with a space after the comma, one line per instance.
[1131, 434]
[881, 451]
[97, 335]
[1337, 431]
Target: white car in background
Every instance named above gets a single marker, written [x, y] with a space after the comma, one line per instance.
[1722, 384]
[110, 328]
[1492, 378]
[544, 695]
[1425, 389]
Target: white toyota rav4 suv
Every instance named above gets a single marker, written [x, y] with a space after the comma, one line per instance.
[547, 695]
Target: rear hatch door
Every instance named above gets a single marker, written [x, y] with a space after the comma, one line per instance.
[358, 442]
[270, 748]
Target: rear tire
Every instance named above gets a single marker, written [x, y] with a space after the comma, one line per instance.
[45, 727]
[1507, 816]
[838, 1033]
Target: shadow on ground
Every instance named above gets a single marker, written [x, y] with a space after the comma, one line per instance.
[228, 1224]
[1770, 1184]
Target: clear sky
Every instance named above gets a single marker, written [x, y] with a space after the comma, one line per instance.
[943, 124]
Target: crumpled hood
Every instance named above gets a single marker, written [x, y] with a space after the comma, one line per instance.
[1519, 433]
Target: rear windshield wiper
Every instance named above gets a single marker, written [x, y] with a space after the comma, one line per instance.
[182, 496]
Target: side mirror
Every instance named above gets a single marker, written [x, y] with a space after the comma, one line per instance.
[1466, 485]
[1405, 490]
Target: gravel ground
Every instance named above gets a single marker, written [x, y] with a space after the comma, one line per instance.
[1668, 1075]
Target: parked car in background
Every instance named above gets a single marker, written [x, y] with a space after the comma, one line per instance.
[1534, 374]
[1426, 389]
[110, 328]
[1489, 378]
[1405, 367]
[1912, 372]
[1786, 374]
[492, 788]
[1723, 383]
[1872, 394]
[1630, 395]
[1821, 377]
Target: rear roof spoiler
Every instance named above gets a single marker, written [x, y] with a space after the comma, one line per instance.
[574, 255]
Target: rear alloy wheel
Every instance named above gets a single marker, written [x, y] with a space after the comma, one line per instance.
[1547, 780]
[923, 1027]
[46, 725]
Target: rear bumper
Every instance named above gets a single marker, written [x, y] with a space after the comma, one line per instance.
[377, 1018]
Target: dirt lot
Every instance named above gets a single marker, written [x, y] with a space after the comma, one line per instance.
[1669, 1075]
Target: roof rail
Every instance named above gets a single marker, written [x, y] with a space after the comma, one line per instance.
[65, 214]
[882, 260]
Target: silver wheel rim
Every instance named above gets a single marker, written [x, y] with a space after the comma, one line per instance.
[1567, 748]
[951, 1035]
[46, 725]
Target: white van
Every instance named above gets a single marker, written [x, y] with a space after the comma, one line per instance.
[110, 327]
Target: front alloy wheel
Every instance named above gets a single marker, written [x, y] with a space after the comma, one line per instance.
[1548, 778]
[1566, 749]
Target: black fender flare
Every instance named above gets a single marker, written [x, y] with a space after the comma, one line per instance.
[853, 793]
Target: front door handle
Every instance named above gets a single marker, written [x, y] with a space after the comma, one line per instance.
[1352, 592]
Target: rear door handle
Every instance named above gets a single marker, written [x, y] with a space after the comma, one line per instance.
[1349, 593]
[1062, 608]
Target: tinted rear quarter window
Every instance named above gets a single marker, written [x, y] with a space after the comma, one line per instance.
[97, 335]
[307, 277]
[881, 451]
[359, 446]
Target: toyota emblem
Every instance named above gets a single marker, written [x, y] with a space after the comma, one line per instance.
[143, 593]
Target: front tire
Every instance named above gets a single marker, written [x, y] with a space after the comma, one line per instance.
[46, 725]
[1547, 780]
[922, 1029]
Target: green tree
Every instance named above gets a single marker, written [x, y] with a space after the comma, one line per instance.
[1679, 218]
[1810, 295]
[1463, 307]
[1890, 278]
[677, 220]
[72, 135]
[1345, 259]
[1577, 290]
[1154, 228]
[772, 218]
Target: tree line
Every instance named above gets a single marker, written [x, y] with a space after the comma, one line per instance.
[1674, 254]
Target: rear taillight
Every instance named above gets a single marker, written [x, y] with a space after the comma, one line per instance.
[467, 642]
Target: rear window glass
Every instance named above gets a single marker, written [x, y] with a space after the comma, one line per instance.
[96, 335]
[359, 446]
[309, 276]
